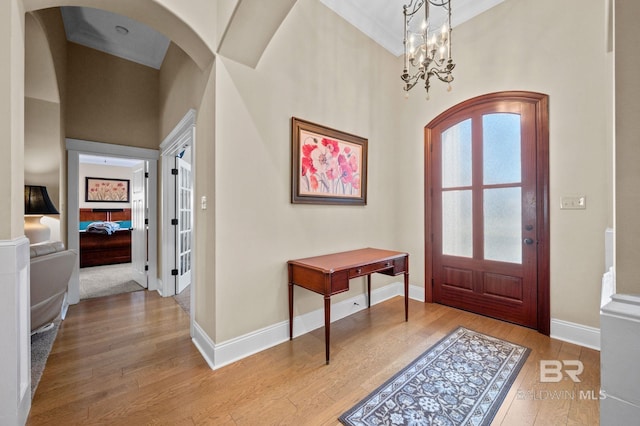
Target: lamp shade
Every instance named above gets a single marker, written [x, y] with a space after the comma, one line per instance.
[37, 201]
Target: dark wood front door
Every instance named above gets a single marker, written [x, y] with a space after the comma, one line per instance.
[487, 227]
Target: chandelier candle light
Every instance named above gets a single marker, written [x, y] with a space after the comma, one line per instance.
[427, 51]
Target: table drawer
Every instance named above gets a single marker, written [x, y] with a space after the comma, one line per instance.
[369, 269]
[339, 282]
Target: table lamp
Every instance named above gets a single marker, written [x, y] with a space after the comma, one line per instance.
[37, 204]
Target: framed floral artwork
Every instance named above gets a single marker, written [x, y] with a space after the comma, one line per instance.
[327, 166]
[106, 190]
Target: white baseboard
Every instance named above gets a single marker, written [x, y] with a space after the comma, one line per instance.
[221, 354]
[204, 344]
[159, 287]
[575, 333]
[416, 293]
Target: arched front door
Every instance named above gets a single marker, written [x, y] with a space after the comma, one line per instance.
[487, 208]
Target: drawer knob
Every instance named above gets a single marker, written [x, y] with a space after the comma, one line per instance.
[358, 271]
[388, 263]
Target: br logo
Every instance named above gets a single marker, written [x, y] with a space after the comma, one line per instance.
[552, 371]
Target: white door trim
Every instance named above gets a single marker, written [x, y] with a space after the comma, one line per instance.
[183, 135]
[75, 147]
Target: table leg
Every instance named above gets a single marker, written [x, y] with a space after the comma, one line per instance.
[327, 325]
[369, 291]
[290, 311]
[406, 296]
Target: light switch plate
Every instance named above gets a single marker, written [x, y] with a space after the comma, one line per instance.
[573, 202]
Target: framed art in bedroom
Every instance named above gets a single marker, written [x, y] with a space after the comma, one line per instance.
[106, 190]
[327, 166]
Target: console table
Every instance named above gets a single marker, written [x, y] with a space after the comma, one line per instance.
[330, 274]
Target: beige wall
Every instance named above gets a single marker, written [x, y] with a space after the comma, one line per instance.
[42, 146]
[110, 99]
[341, 79]
[522, 45]
[12, 119]
[627, 39]
[205, 237]
[50, 22]
[44, 91]
[183, 86]
[319, 68]
[42, 122]
[42, 153]
[225, 9]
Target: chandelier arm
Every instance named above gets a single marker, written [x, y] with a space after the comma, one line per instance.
[409, 86]
[415, 77]
[443, 75]
[443, 3]
[416, 8]
[446, 69]
[444, 79]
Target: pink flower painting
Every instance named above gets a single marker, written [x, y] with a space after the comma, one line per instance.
[329, 167]
[107, 190]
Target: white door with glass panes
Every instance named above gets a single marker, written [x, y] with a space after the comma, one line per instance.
[184, 210]
[138, 225]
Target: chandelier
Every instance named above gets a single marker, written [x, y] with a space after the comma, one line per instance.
[427, 50]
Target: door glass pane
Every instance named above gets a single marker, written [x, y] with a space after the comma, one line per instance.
[503, 224]
[456, 155]
[457, 224]
[501, 152]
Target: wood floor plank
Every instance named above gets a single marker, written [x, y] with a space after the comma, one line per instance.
[129, 359]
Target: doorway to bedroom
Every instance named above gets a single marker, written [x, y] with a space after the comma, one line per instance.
[112, 212]
[112, 231]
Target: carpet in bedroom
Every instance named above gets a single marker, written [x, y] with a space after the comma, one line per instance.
[98, 281]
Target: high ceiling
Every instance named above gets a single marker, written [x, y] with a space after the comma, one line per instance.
[381, 20]
[114, 34]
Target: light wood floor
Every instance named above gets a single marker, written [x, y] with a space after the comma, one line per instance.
[128, 359]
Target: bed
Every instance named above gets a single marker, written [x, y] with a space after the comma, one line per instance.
[102, 248]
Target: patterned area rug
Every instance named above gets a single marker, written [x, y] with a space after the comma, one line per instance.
[461, 380]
